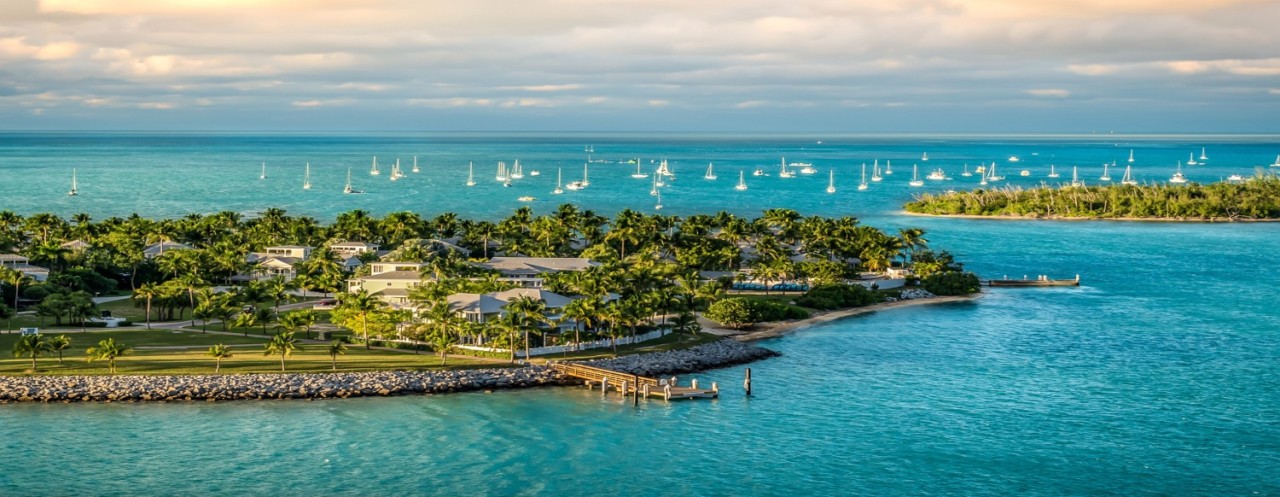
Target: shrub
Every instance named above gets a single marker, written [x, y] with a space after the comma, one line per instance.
[829, 297]
[733, 312]
[951, 283]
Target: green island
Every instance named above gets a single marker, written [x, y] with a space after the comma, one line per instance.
[229, 293]
[1254, 199]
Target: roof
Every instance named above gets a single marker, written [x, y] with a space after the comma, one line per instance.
[535, 265]
[163, 246]
[27, 268]
[75, 245]
[289, 247]
[390, 292]
[353, 245]
[12, 258]
[552, 299]
[288, 261]
[393, 275]
[474, 303]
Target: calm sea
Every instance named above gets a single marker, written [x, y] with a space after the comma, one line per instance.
[1159, 376]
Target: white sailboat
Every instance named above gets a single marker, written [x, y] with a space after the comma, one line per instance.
[742, 181]
[1191, 159]
[1075, 178]
[585, 182]
[75, 188]
[805, 167]
[915, 176]
[875, 173]
[1177, 175]
[516, 171]
[1106, 176]
[415, 165]
[664, 169]
[863, 184]
[888, 168]
[306, 178]
[936, 175]
[264, 171]
[349, 189]
[1053, 173]
[992, 172]
[1277, 162]
[395, 171]
[638, 174]
[1127, 179]
[653, 190]
[502, 172]
[966, 172]
[373, 171]
[471, 173]
[589, 149]
[658, 207]
[711, 173]
[578, 185]
[1131, 155]
[831, 181]
[1203, 157]
[784, 173]
[925, 157]
[558, 190]
[1235, 178]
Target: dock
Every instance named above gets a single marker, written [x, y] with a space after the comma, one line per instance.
[1040, 281]
[639, 386]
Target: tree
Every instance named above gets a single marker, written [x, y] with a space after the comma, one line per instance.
[32, 345]
[335, 348]
[14, 278]
[361, 305]
[263, 316]
[7, 314]
[443, 338]
[282, 343]
[293, 321]
[147, 292]
[529, 313]
[59, 344]
[218, 353]
[732, 312]
[204, 312]
[245, 320]
[107, 350]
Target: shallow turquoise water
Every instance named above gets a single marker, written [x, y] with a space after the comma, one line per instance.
[1159, 376]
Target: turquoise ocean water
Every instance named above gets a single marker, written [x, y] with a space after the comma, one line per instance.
[1159, 376]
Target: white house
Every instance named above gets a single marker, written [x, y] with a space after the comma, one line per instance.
[158, 249]
[528, 271]
[484, 307]
[20, 263]
[352, 249]
[389, 281]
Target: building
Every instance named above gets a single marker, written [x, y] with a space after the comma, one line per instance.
[345, 250]
[389, 281]
[484, 307]
[158, 249]
[21, 264]
[276, 262]
[528, 271]
[76, 246]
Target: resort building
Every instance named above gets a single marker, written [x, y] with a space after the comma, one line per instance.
[528, 271]
[389, 282]
[278, 261]
[346, 250]
[158, 249]
[21, 264]
[484, 307]
[76, 246]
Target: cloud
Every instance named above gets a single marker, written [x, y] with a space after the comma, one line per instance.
[540, 88]
[1049, 92]
[1092, 69]
[749, 104]
[1274, 91]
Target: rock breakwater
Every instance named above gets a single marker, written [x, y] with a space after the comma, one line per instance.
[703, 357]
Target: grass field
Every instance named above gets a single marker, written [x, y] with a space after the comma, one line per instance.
[669, 342]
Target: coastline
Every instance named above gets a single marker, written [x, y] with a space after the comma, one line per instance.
[1007, 217]
[780, 328]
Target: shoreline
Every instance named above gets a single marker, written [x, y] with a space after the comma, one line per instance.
[780, 328]
[1007, 217]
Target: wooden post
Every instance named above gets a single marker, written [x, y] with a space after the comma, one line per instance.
[604, 386]
[645, 390]
[666, 392]
[746, 384]
[715, 388]
[695, 384]
[635, 399]
[624, 389]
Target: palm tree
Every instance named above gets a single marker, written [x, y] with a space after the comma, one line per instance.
[147, 291]
[334, 348]
[282, 343]
[263, 316]
[218, 353]
[204, 312]
[244, 321]
[59, 344]
[443, 338]
[362, 305]
[107, 350]
[293, 321]
[32, 345]
[16, 279]
[530, 312]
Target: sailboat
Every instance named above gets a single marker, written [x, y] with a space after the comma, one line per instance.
[663, 169]
[658, 207]
[1106, 176]
[415, 165]
[585, 182]
[831, 181]
[502, 172]
[471, 173]
[784, 173]
[888, 168]
[306, 178]
[966, 172]
[875, 173]
[1131, 155]
[1277, 162]
[264, 171]
[1075, 178]
[1191, 160]
[578, 185]
[863, 184]
[1203, 157]
[1127, 179]
[1053, 173]
[638, 174]
[374, 170]
[915, 176]
[805, 167]
[992, 172]
[349, 189]
[75, 190]
[711, 173]
[558, 190]
[925, 157]
[742, 181]
[1177, 175]
[516, 171]
[1235, 178]
[589, 149]
[395, 170]
[936, 175]
[654, 189]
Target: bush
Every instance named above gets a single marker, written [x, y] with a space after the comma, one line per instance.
[733, 312]
[829, 297]
[764, 310]
[952, 283]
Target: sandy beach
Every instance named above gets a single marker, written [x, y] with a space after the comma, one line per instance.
[778, 328]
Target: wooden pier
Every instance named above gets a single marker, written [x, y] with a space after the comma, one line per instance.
[1038, 282]
[640, 386]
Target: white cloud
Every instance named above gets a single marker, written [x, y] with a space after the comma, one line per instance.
[749, 104]
[658, 102]
[1049, 92]
[155, 105]
[1274, 91]
[541, 88]
[1092, 69]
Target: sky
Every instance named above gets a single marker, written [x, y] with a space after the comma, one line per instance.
[641, 65]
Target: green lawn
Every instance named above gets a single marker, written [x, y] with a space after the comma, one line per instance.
[669, 342]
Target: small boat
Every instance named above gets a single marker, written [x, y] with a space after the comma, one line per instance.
[373, 171]
[502, 172]
[925, 157]
[589, 149]
[875, 174]
[1040, 281]
[831, 181]
[653, 190]
[1277, 162]
[1024, 173]
[1106, 174]
[981, 169]
[863, 184]
[506, 184]
[535, 172]
[578, 185]
[966, 172]
[558, 190]
[992, 173]
[1014, 158]
[1203, 157]
[1053, 173]
[264, 171]
[1235, 177]
[75, 189]
[760, 171]
[1127, 179]
[1131, 155]
[915, 176]
[805, 168]
[306, 178]
[1075, 178]
[936, 175]
[784, 173]
[711, 174]
[395, 171]
[664, 169]
[526, 198]
[471, 173]
[658, 207]
[742, 181]
[638, 174]
[1191, 160]
[516, 171]
[349, 189]
[415, 165]
[1177, 175]
[888, 168]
